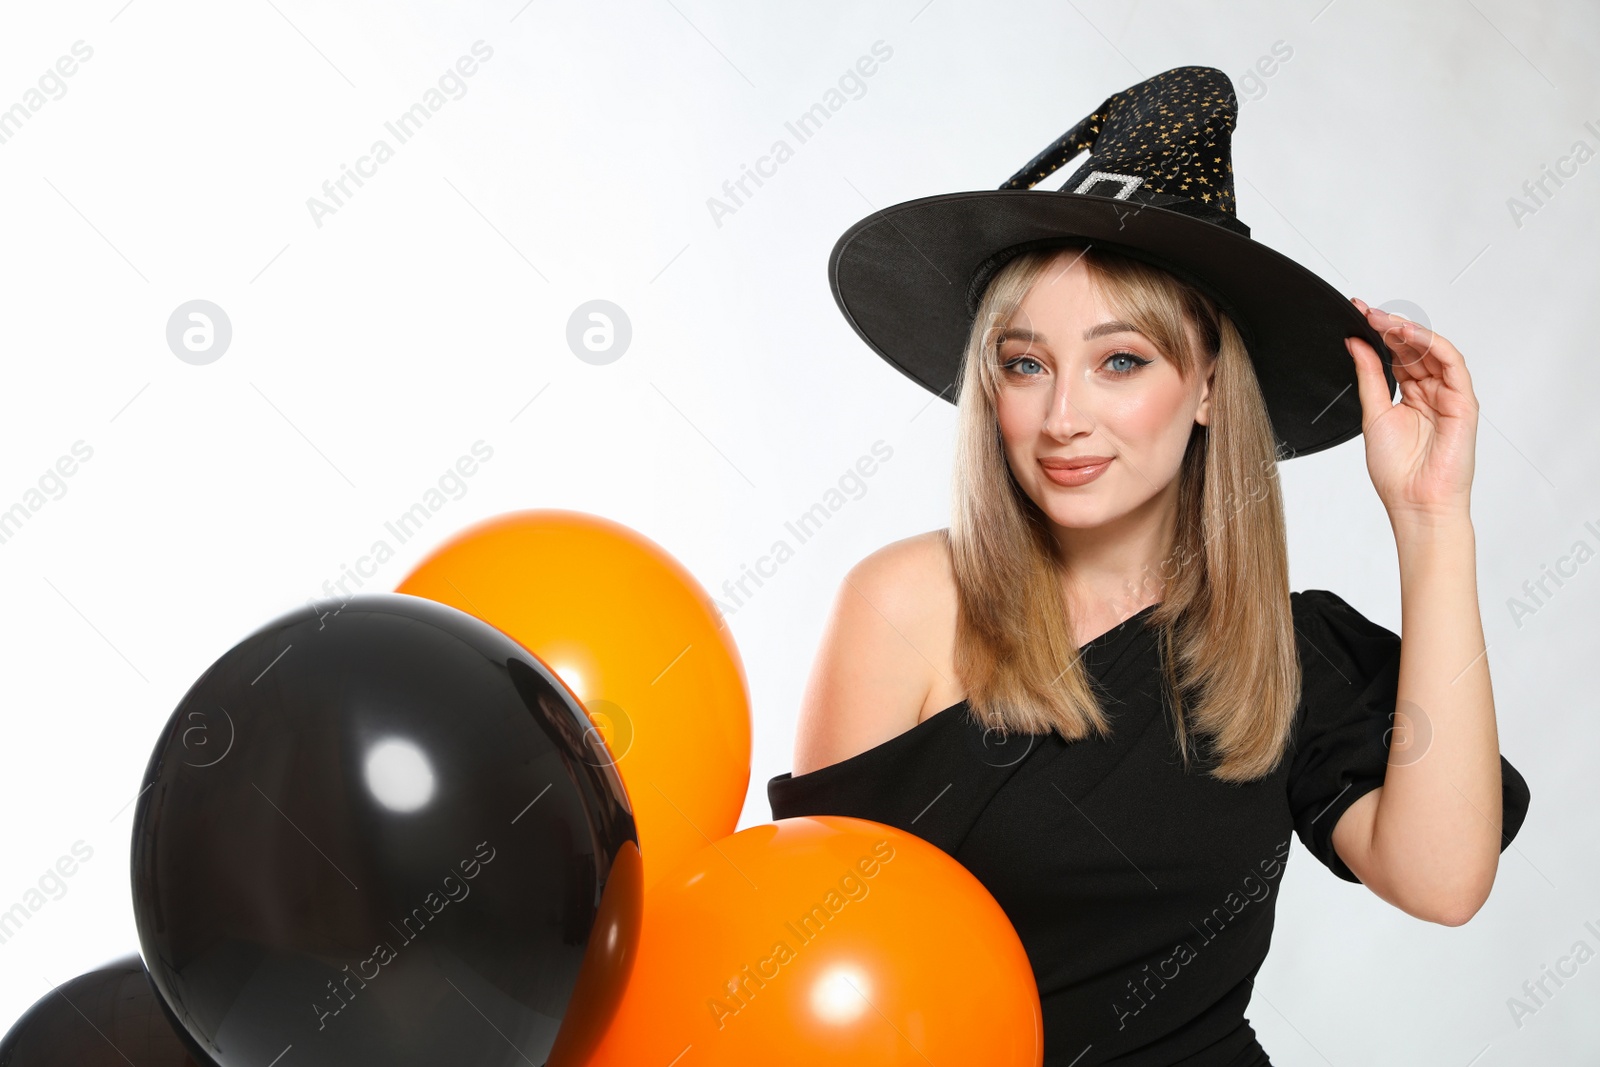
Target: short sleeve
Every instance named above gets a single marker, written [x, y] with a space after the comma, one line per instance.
[1350, 675]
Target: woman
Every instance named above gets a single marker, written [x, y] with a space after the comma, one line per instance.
[1095, 689]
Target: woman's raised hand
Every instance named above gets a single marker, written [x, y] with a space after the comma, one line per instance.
[1419, 451]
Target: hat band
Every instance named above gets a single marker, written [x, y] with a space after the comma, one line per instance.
[1183, 205]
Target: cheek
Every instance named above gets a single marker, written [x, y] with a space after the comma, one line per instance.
[1152, 417]
[1017, 419]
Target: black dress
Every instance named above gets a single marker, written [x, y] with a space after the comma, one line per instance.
[1143, 895]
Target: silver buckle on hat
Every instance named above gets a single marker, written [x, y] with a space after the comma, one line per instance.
[1129, 183]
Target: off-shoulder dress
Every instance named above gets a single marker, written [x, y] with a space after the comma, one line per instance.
[1144, 895]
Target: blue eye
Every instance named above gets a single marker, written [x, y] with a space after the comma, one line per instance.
[1013, 365]
[1137, 362]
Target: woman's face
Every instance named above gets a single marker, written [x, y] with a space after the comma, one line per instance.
[1075, 385]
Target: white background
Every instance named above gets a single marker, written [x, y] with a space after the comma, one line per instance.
[430, 312]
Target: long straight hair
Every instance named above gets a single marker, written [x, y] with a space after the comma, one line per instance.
[1231, 673]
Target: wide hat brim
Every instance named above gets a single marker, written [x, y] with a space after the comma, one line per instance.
[901, 277]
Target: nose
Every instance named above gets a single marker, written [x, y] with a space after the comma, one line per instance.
[1067, 416]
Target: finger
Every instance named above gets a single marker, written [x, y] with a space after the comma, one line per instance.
[1404, 336]
[1420, 352]
[1404, 360]
[1370, 384]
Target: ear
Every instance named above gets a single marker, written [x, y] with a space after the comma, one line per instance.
[1202, 414]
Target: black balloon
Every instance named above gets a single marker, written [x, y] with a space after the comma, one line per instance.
[110, 1017]
[376, 835]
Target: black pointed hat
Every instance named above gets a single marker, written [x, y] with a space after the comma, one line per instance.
[1157, 185]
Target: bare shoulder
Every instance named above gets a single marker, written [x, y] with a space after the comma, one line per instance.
[884, 661]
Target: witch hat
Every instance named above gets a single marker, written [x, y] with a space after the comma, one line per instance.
[1157, 185]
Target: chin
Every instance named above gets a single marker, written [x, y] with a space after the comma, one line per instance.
[1080, 514]
[1081, 522]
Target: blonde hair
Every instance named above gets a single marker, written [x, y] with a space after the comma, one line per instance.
[1230, 666]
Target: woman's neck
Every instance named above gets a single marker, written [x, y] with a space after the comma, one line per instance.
[1112, 570]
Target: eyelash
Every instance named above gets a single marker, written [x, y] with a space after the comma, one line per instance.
[1138, 361]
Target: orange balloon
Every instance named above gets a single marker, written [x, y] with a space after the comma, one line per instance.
[824, 940]
[639, 643]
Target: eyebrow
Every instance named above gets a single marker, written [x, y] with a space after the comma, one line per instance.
[1019, 333]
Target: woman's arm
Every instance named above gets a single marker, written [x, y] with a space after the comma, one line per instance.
[1428, 841]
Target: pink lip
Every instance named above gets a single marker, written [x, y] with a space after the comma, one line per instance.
[1077, 471]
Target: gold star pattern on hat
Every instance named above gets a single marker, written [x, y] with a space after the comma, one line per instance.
[1192, 106]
